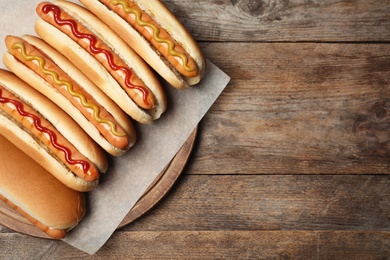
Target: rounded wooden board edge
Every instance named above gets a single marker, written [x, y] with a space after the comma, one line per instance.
[163, 183]
[9, 218]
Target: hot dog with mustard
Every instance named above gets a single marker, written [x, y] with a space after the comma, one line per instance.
[154, 32]
[103, 57]
[36, 194]
[53, 75]
[47, 134]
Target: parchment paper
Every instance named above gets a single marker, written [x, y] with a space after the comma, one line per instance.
[128, 176]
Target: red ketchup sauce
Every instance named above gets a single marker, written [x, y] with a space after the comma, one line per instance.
[53, 137]
[93, 48]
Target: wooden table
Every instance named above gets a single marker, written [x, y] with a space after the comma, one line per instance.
[292, 161]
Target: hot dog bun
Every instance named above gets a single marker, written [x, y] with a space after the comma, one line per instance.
[149, 27]
[99, 116]
[103, 57]
[48, 135]
[36, 194]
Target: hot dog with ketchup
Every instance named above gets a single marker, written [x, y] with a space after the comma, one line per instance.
[53, 75]
[153, 31]
[98, 52]
[47, 134]
[36, 194]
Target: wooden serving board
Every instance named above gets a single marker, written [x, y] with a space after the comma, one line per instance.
[157, 190]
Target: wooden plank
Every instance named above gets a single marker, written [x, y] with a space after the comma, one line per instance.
[280, 20]
[4, 230]
[267, 202]
[298, 109]
[211, 245]
[156, 191]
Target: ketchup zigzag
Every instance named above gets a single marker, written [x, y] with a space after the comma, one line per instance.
[156, 31]
[53, 137]
[69, 87]
[94, 49]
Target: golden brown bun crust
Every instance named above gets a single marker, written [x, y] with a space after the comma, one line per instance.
[69, 102]
[163, 16]
[37, 193]
[131, 59]
[166, 19]
[61, 120]
[78, 76]
[121, 117]
[96, 72]
[90, 67]
[53, 113]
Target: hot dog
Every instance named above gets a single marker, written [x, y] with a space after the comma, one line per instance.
[36, 194]
[47, 134]
[98, 52]
[153, 31]
[44, 68]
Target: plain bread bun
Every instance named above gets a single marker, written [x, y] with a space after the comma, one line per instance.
[33, 191]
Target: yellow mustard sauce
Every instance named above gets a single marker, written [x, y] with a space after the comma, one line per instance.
[69, 87]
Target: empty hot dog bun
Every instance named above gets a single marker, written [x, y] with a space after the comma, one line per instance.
[56, 77]
[103, 57]
[47, 134]
[153, 31]
[36, 194]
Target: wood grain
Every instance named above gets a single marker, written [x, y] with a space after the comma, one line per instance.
[285, 20]
[152, 196]
[291, 111]
[292, 161]
[267, 202]
[245, 216]
[298, 109]
[161, 186]
[213, 245]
